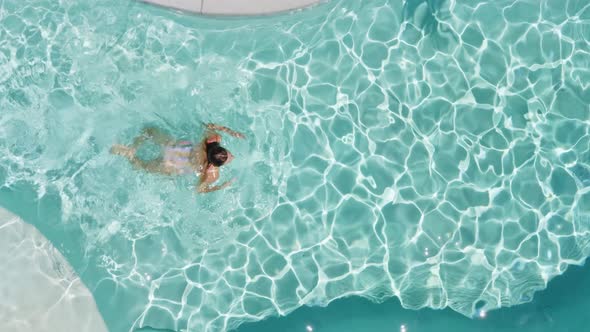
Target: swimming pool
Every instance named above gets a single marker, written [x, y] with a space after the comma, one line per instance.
[433, 151]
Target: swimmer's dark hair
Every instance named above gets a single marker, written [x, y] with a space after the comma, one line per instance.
[216, 154]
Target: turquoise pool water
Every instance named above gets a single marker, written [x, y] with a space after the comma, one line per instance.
[562, 307]
[433, 151]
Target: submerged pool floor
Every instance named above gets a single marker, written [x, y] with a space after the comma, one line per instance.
[433, 151]
[40, 291]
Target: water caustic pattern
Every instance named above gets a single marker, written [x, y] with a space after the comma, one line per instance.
[437, 151]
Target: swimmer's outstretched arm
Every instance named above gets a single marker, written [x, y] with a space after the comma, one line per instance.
[214, 127]
[205, 188]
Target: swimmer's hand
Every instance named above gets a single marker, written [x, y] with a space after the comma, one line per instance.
[239, 135]
[215, 127]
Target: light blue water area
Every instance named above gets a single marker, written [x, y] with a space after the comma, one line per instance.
[433, 151]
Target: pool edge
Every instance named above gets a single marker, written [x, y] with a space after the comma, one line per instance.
[235, 8]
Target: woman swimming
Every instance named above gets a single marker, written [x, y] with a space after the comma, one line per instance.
[183, 157]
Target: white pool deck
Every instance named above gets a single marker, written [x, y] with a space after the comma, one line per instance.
[234, 7]
[39, 291]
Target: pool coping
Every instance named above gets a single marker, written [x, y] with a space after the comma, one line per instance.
[234, 7]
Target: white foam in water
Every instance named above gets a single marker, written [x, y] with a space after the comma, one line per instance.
[39, 291]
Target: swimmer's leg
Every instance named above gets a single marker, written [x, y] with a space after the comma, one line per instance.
[138, 141]
[152, 166]
[157, 136]
[152, 133]
[123, 150]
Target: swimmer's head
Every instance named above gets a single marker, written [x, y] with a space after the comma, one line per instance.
[217, 155]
